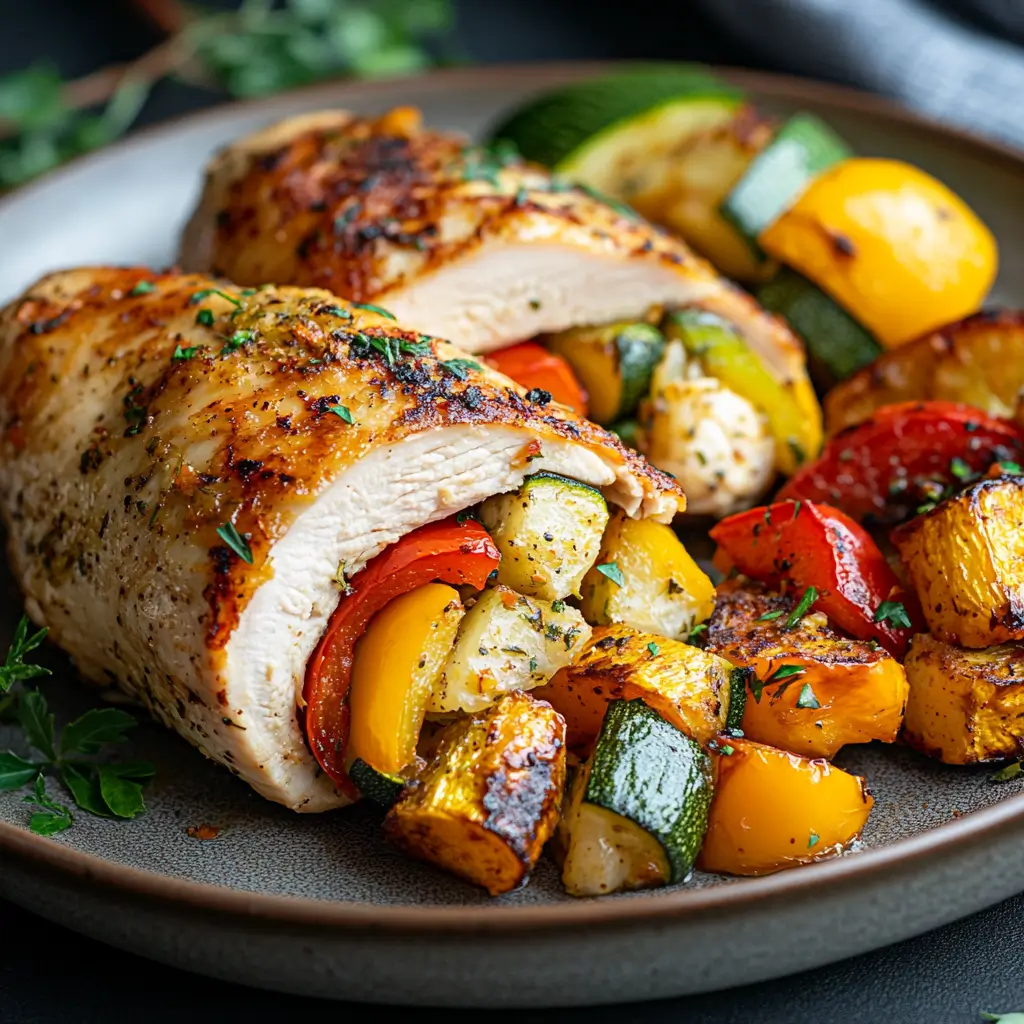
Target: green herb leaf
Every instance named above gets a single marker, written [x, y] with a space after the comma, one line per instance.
[814, 840]
[123, 796]
[1013, 468]
[236, 341]
[97, 726]
[614, 573]
[15, 771]
[143, 288]
[181, 354]
[342, 411]
[653, 648]
[83, 783]
[785, 672]
[14, 668]
[807, 698]
[894, 613]
[196, 297]
[809, 596]
[205, 317]
[235, 541]
[374, 309]
[558, 606]
[336, 311]
[757, 688]
[960, 469]
[37, 722]
[53, 817]
[1011, 771]
[769, 616]
[460, 367]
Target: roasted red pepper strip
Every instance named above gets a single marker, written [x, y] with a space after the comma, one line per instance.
[808, 545]
[449, 551]
[533, 366]
[904, 456]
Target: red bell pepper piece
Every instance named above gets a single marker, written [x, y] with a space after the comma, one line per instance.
[533, 366]
[904, 456]
[807, 545]
[449, 551]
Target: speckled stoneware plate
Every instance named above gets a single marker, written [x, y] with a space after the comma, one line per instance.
[320, 905]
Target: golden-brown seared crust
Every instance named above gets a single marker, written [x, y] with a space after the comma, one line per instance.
[231, 406]
[363, 204]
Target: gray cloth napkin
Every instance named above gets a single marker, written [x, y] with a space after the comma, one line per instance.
[915, 52]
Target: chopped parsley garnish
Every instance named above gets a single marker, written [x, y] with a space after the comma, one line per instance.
[809, 596]
[342, 411]
[134, 413]
[653, 648]
[757, 688]
[797, 505]
[336, 311]
[959, 468]
[236, 341]
[728, 750]
[784, 672]
[694, 638]
[558, 606]
[533, 664]
[235, 541]
[894, 613]
[205, 317]
[143, 288]
[181, 354]
[374, 309]
[1010, 772]
[51, 817]
[771, 616]
[814, 840]
[614, 573]
[460, 367]
[1010, 467]
[807, 698]
[14, 668]
[196, 297]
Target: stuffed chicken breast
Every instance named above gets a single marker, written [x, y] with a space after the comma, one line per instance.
[241, 506]
[482, 248]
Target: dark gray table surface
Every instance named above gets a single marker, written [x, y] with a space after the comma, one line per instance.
[48, 974]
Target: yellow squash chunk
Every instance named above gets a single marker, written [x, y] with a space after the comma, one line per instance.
[965, 559]
[774, 810]
[978, 361]
[648, 580]
[396, 667]
[685, 685]
[894, 246]
[488, 800]
[965, 706]
[844, 691]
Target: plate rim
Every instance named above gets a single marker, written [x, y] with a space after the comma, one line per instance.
[679, 903]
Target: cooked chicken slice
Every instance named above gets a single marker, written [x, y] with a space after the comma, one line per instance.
[478, 248]
[188, 471]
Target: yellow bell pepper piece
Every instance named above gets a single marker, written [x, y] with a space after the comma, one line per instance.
[774, 810]
[792, 409]
[900, 251]
[396, 665]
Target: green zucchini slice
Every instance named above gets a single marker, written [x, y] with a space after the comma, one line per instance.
[548, 532]
[380, 787]
[837, 344]
[739, 679]
[638, 810]
[614, 364]
[593, 126]
[802, 148]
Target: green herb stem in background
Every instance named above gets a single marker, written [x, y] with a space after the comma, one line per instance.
[108, 789]
[255, 50]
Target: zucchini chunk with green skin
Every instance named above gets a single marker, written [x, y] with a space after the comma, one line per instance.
[614, 364]
[381, 787]
[645, 578]
[487, 802]
[688, 687]
[548, 533]
[507, 642]
[638, 810]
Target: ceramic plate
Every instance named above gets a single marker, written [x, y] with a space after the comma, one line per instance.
[319, 904]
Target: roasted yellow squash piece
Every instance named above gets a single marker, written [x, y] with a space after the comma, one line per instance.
[978, 361]
[773, 810]
[814, 691]
[965, 559]
[685, 685]
[398, 662]
[645, 578]
[488, 800]
[965, 705]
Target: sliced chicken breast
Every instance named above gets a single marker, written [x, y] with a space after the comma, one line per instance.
[455, 241]
[187, 471]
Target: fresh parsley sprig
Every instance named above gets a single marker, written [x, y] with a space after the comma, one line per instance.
[14, 669]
